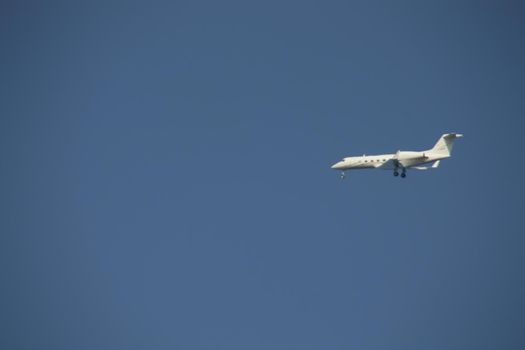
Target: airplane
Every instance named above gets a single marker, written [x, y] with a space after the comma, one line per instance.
[402, 160]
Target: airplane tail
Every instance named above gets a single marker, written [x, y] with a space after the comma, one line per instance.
[445, 144]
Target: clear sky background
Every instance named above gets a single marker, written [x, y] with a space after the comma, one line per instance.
[166, 178]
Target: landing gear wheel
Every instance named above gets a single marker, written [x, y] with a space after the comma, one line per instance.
[403, 175]
[396, 173]
[343, 175]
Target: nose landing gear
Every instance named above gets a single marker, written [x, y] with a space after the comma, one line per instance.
[343, 175]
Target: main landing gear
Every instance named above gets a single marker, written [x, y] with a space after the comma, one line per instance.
[403, 173]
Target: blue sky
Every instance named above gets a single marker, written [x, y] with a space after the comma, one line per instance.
[166, 178]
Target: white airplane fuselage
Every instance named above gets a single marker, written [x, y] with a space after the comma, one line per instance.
[378, 161]
[401, 160]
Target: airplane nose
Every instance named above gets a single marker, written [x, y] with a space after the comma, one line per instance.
[336, 165]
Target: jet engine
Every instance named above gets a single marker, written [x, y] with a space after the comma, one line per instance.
[401, 155]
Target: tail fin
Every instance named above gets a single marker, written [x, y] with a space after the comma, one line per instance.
[445, 144]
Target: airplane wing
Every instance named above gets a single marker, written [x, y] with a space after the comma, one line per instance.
[435, 165]
[390, 164]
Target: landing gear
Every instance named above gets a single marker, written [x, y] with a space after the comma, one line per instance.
[397, 166]
[403, 172]
[343, 175]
